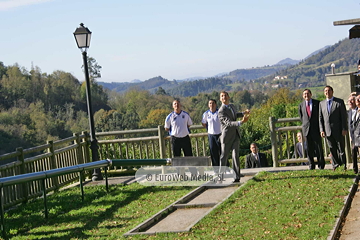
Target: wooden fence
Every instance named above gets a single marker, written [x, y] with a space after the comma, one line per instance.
[133, 144]
[283, 140]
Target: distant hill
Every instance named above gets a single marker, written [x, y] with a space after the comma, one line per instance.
[311, 71]
[287, 61]
[317, 51]
[287, 72]
[177, 87]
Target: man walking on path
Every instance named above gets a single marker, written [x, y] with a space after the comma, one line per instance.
[309, 117]
[230, 133]
[333, 125]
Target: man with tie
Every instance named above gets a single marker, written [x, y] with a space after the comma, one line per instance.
[230, 133]
[352, 117]
[255, 159]
[309, 117]
[333, 125]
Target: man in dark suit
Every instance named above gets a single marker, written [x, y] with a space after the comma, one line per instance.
[351, 123]
[230, 134]
[255, 159]
[309, 116]
[333, 125]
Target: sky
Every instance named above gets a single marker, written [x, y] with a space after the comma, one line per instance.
[142, 39]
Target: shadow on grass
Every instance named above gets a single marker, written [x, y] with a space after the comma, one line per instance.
[31, 215]
[333, 176]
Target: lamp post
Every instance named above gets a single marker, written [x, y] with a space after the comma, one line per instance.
[82, 36]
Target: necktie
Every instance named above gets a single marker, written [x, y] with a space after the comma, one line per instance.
[329, 106]
[308, 109]
[354, 116]
[257, 159]
[232, 111]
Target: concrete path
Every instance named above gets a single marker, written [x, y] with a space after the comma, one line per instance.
[348, 230]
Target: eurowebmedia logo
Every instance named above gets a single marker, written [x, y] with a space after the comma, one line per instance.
[184, 176]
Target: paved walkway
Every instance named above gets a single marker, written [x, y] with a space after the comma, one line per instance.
[350, 229]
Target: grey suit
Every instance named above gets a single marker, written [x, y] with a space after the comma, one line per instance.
[230, 137]
[333, 123]
[353, 125]
[311, 132]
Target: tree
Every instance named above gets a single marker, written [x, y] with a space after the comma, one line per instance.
[160, 91]
[94, 69]
[155, 118]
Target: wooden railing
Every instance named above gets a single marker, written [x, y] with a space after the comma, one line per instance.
[133, 144]
[63, 153]
[283, 141]
[147, 143]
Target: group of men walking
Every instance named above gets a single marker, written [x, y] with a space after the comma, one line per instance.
[326, 119]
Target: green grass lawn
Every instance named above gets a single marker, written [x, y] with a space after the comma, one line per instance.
[284, 205]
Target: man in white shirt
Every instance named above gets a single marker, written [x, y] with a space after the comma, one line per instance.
[211, 122]
[177, 123]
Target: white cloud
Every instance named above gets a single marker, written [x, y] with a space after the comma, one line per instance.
[9, 4]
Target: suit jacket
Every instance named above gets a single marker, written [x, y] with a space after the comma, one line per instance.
[229, 124]
[335, 122]
[351, 123]
[310, 125]
[251, 161]
[356, 128]
[298, 149]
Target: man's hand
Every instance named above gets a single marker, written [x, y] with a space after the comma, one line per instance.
[247, 112]
[322, 134]
[245, 118]
[344, 132]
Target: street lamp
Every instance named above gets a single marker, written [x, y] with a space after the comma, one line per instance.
[82, 36]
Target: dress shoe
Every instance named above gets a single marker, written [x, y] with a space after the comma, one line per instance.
[356, 171]
[236, 181]
[335, 167]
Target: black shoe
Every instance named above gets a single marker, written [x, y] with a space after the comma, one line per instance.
[335, 167]
[236, 181]
[356, 171]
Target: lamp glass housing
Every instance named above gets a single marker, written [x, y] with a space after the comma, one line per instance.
[82, 36]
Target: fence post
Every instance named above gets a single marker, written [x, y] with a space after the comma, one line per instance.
[86, 150]
[79, 155]
[53, 164]
[23, 190]
[161, 132]
[272, 121]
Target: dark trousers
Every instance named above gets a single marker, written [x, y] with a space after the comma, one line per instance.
[314, 148]
[185, 144]
[181, 143]
[215, 148]
[354, 154]
[337, 150]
